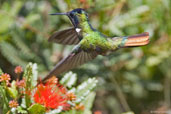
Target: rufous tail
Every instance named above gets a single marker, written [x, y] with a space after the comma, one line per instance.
[137, 40]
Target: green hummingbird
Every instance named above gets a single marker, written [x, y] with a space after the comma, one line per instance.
[89, 43]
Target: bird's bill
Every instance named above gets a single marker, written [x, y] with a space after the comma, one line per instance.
[58, 14]
[68, 14]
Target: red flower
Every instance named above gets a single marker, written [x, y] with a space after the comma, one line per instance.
[5, 77]
[51, 96]
[18, 70]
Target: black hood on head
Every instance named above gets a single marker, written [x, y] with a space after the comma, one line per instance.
[72, 15]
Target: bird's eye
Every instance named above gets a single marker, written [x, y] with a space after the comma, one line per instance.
[79, 11]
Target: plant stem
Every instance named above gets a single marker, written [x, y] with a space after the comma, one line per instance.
[167, 91]
[120, 95]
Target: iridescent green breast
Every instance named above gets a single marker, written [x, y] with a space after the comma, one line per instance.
[93, 40]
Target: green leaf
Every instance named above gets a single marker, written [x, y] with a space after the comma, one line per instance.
[69, 79]
[11, 53]
[129, 18]
[3, 96]
[86, 112]
[12, 91]
[27, 52]
[85, 88]
[36, 109]
[72, 112]
[56, 111]
[35, 74]
[23, 102]
[4, 100]
[30, 75]
[88, 102]
[20, 110]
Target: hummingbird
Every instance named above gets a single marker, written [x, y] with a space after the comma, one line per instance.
[89, 42]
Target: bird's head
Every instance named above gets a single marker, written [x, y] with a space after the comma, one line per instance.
[76, 16]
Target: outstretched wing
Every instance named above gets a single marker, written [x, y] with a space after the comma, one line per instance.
[66, 37]
[71, 61]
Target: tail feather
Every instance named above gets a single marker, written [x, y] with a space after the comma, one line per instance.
[137, 40]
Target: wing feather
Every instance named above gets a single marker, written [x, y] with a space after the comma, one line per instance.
[67, 37]
[71, 61]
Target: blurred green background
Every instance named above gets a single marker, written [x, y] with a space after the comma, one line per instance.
[136, 79]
